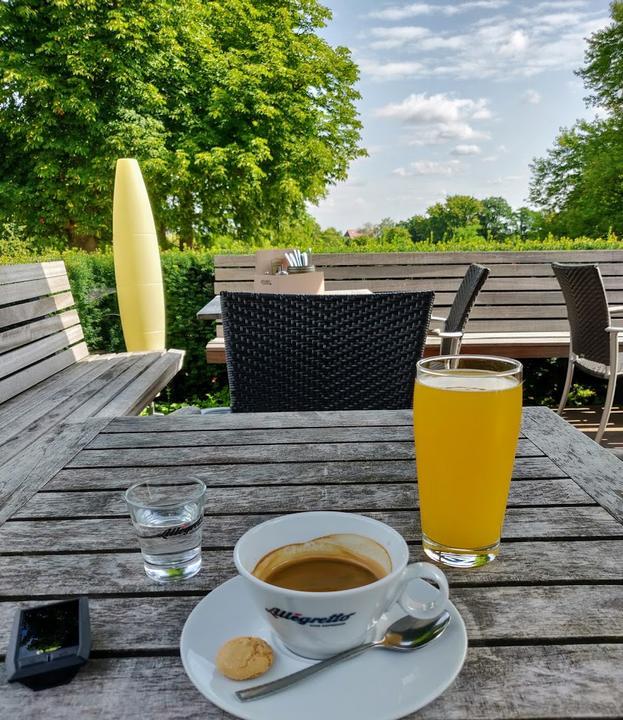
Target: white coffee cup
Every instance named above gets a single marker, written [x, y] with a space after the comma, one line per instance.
[320, 624]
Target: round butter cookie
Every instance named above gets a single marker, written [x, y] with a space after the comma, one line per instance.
[243, 658]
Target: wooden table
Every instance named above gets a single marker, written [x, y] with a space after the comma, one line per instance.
[545, 620]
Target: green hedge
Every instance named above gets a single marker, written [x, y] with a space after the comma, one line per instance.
[189, 284]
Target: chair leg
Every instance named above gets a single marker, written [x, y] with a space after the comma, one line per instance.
[567, 387]
[605, 415]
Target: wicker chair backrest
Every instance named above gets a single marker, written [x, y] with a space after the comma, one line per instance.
[587, 309]
[323, 352]
[465, 297]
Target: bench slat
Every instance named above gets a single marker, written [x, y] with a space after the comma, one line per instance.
[24, 312]
[137, 395]
[25, 379]
[25, 334]
[71, 403]
[431, 270]
[31, 271]
[24, 356]
[423, 258]
[15, 292]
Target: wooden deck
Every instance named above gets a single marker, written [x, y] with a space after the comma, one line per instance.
[587, 419]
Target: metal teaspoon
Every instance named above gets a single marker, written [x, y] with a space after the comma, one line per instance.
[404, 635]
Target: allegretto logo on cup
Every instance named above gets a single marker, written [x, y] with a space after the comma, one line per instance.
[331, 621]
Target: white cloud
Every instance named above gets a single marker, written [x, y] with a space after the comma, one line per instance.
[393, 37]
[516, 44]
[424, 109]
[402, 12]
[506, 179]
[432, 167]
[524, 43]
[439, 118]
[554, 5]
[532, 97]
[466, 150]
[429, 167]
[391, 70]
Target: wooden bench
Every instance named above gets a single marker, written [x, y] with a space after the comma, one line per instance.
[48, 377]
[519, 313]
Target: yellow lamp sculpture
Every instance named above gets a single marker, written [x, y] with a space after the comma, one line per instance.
[137, 261]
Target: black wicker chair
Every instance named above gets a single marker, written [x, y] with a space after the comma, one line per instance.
[451, 331]
[594, 345]
[323, 352]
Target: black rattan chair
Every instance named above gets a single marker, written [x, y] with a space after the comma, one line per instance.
[594, 344]
[452, 329]
[323, 352]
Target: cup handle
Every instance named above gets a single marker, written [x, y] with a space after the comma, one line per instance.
[417, 607]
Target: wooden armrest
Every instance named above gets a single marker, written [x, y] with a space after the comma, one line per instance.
[211, 311]
[616, 309]
[614, 329]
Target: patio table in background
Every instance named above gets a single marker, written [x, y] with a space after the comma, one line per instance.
[544, 621]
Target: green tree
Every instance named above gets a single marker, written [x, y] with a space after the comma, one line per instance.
[528, 223]
[457, 211]
[418, 227]
[603, 69]
[238, 111]
[579, 183]
[496, 218]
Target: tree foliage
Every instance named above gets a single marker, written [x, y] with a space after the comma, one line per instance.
[463, 217]
[237, 110]
[579, 182]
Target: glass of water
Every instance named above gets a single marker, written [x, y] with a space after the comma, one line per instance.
[167, 518]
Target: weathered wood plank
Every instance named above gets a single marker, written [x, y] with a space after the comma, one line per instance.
[16, 337]
[208, 437]
[260, 421]
[524, 564]
[371, 471]
[45, 457]
[24, 312]
[117, 533]
[425, 284]
[294, 453]
[596, 470]
[146, 386]
[17, 359]
[493, 614]
[409, 258]
[238, 499]
[75, 403]
[432, 271]
[16, 292]
[10, 387]
[31, 271]
[564, 682]
[46, 394]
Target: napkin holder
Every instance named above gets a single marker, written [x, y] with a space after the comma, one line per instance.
[267, 263]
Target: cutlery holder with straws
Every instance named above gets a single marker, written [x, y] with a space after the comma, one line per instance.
[287, 271]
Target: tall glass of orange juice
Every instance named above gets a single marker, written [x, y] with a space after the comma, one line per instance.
[466, 417]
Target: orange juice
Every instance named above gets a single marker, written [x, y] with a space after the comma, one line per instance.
[466, 427]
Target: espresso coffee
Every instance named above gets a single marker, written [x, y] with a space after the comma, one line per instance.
[326, 564]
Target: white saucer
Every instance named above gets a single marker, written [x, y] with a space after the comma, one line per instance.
[377, 685]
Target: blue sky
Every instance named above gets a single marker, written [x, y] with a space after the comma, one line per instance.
[457, 97]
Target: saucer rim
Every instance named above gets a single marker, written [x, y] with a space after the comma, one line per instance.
[239, 710]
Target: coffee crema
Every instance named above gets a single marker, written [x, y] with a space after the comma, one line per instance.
[326, 564]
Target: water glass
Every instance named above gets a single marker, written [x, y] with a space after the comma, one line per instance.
[167, 518]
[466, 415]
